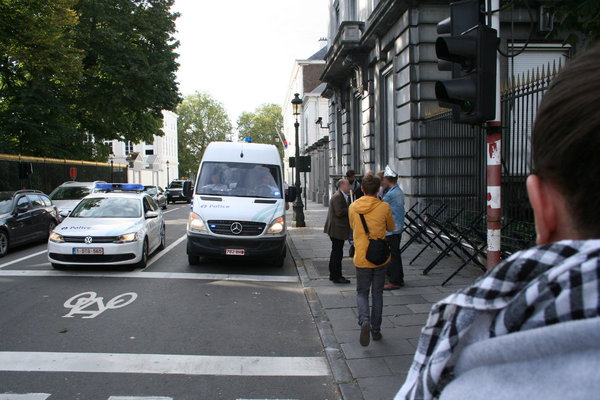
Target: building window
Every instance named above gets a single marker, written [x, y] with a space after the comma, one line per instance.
[128, 147]
[356, 137]
[109, 144]
[387, 140]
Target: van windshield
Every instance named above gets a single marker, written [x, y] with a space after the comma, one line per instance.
[239, 179]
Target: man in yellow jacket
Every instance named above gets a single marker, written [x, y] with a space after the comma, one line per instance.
[369, 277]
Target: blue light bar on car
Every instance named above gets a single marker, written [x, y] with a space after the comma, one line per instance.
[124, 187]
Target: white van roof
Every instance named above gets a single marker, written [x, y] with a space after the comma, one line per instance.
[255, 153]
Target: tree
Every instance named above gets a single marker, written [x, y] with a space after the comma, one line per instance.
[263, 125]
[74, 73]
[202, 120]
[581, 16]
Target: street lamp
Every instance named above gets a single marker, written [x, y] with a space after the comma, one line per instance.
[298, 206]
[168, 173]
[112, 171]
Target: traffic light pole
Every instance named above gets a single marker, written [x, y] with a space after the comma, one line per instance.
[494, 166]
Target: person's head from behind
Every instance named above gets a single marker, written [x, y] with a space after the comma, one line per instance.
[370, 185]
[343, 185]
[389, 181]
[564, 188]
[350, 175]
[215, 177]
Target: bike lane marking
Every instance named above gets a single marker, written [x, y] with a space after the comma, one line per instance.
[83, 304]
[171, 364]
[153, 275]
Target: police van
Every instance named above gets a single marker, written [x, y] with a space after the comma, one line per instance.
[238, 206]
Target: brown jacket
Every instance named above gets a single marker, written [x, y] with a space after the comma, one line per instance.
[378, 216]
[337, 225]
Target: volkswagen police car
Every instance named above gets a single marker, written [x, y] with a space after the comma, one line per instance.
[118, 224]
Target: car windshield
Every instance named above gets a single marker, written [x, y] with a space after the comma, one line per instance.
[6, 200]
[176, 185]
[151, 190]
[70, 192]
[239, 179]
[107, 207]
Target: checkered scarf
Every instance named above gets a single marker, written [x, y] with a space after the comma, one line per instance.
[533, 288]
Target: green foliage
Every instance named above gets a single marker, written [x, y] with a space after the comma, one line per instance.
[579, 17]
[76, 73]
[263, 125]
[202, 120]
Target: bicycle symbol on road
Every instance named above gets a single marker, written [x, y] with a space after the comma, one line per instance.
[90, 305]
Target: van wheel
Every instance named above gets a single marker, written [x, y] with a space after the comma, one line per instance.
[193, 260]
[3, 243]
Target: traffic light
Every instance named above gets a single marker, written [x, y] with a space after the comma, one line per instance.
[470, 53]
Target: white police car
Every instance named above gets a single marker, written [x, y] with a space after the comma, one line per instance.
[119, 224]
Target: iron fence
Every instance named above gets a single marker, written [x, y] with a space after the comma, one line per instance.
[46, 174]
[452, 163]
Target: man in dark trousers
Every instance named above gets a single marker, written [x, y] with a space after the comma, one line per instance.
[338, 229]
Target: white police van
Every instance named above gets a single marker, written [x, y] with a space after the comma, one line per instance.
[238, 206]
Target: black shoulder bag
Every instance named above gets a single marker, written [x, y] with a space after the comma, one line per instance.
[378, 250]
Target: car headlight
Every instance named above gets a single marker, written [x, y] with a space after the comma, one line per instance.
[196, 224]
[56, 238]
[277, 226]
[127, 238]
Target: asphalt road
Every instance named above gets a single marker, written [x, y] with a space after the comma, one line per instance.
[225, 329]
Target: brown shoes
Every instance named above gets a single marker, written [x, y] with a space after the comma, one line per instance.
[390, 286]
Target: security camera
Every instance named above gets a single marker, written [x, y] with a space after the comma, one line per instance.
[319, 120]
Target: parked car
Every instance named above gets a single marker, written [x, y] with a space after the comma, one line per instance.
[118, 224]
[26, 216]
[158, 194]
[67, 195]
[175, 192]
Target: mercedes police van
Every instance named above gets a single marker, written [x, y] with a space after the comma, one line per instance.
[238, 206]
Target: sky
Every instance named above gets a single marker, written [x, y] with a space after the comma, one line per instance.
[242, 52]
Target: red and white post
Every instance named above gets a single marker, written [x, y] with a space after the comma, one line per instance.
[494, 192]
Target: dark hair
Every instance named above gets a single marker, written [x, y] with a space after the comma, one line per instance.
[566, 139]
[371, 185]
[350, 173]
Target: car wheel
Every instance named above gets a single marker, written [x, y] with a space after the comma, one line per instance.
[59, 267]
[189, 201]
[193, 260]
[3, 243]
[162, 238]
[144, 261]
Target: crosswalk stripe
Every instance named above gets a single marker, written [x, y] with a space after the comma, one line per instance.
[152, 275]
[139, 398]
[24, 396]
[22, 361]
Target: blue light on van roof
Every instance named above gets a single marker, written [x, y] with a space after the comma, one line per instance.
[125, 187]
[248, 139]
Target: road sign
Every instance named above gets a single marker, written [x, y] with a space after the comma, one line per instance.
[304, 165]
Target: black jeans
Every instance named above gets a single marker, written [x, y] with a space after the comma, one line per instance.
[335, 258]
[370, 280]
[395, 272]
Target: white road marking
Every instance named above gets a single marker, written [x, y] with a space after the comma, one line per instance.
[24, 396]
[139, 398]
[152, 275]
[22, 259]
[170, 247]
[172, 209]
[81, 303]
[162, 364]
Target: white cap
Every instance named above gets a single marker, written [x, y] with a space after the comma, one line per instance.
[389, 173]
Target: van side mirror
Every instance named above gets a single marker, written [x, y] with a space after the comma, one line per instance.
[187, 189]
[290, 194]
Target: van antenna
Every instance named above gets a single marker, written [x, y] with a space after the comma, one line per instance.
[242, 152]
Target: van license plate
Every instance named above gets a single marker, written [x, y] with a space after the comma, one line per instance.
[235, 252]
[89, 250]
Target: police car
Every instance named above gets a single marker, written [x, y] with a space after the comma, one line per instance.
[118, 224]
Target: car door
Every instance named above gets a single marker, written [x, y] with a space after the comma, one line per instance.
[22, 229]
[152, 224]
[39, 216]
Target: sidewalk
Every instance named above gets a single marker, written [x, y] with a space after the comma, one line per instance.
[376, 371]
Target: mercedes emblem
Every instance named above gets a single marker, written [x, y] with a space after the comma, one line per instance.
[236, 228]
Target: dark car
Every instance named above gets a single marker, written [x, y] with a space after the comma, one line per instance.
[25, 216]
[158, 194]
[175, 192]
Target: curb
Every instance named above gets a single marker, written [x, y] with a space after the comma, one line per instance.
[348, 387]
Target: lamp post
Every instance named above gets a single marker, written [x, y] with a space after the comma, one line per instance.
[112, 171]
[298, 206]
[168, 180]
